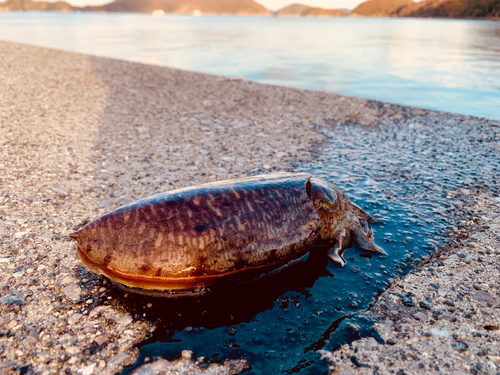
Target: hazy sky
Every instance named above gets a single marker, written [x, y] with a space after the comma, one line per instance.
[270, 4]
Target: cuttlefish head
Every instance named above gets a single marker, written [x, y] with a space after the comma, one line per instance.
[341, 219]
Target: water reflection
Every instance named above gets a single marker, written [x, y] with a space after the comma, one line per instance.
[448, 65]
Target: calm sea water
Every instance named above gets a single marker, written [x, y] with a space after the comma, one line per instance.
[447, 65]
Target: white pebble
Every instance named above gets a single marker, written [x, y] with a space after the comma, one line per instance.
[442, 333]
[88, 370]
[75, 318]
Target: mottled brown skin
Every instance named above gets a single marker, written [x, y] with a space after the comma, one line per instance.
[220, 232]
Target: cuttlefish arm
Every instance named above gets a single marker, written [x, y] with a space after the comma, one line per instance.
[334, 253]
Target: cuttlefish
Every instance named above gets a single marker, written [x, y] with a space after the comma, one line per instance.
[220, 232]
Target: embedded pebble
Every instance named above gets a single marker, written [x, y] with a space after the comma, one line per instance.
[74, 319]
[65, 338]
[127, 319]
[442, 333]
[494, 358]
[101, 340]
[119, 361]
[11, 300]
[30, 342]
[73, 350]
[104, 310]
[484, 297]
[446, 316]
[88, 370]
[420, 316]
[72, 291]
[6, 366]
[44, 356]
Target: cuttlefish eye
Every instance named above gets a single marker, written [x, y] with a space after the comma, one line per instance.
[323, 196]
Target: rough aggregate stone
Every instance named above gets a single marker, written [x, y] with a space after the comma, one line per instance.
[119, 360]
[187, 366]
[82, 135]
[72, 291]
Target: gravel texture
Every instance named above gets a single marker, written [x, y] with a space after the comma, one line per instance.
[81, 135]
[186, 365]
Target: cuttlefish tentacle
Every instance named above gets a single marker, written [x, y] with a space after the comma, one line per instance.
[366, 228]
[364, 234]
[365, 242]
[341, 241]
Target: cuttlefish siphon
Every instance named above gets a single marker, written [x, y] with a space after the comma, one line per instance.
[227, 231]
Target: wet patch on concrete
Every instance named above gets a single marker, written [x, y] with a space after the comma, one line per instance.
[444, 316]
[415, 177]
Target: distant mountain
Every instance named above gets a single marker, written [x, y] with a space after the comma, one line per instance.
[452, 8]
[433, 8]
[380, 8]
[300, 10]
[370, 8]
[482, 8]
[199, 7]
[41, 6]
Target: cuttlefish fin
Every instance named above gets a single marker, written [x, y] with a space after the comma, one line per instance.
[365, 242]
[334, 252]
[362, 214]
